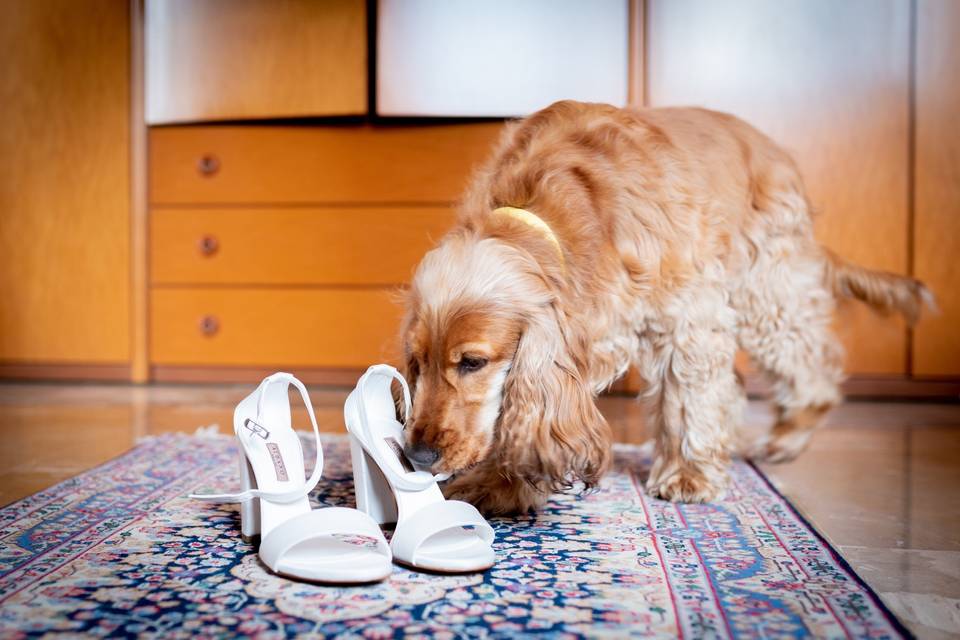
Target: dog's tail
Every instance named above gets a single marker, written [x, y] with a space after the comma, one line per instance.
[882, 290]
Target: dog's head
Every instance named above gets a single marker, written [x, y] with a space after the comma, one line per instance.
[497, 369]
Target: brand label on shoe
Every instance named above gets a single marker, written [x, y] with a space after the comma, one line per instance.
[277, 459]
[397, 449]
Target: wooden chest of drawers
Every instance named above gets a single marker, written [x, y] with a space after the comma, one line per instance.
[290, 246]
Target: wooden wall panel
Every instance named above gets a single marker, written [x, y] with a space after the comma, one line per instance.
[139, 216]
[236, 59]
[323, 164]
[64, 182]
[303, 327]
[937, 205]
[829, 81]
[301, 245]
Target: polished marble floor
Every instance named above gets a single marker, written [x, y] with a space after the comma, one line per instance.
[881, 481]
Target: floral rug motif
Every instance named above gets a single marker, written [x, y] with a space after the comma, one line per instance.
[121, 551]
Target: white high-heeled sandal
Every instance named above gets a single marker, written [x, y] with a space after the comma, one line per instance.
[431, 533]
[295, 541]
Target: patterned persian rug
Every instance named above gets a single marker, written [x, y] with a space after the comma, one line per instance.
[121, 551]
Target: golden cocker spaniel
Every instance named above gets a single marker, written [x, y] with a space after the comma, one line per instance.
[596, 238]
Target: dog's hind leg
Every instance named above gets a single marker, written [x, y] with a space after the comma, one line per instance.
[785, 312]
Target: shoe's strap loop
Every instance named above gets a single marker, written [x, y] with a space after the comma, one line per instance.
[416, 481]
[386, 371]
[282, 380]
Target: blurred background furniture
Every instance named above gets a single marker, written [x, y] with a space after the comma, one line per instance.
[210, 189]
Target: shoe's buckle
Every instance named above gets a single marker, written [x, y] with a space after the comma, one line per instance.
[256, 429]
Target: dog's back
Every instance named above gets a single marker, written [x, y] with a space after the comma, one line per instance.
[701, 182]
[689, 180]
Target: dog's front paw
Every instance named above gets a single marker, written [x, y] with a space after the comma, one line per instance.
[686, 484]
[461, 488]
[492, 494]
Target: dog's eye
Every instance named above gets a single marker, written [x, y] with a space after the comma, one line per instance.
[468, 364]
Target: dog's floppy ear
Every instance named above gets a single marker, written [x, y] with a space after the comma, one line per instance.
[550, 431]
[409, 368]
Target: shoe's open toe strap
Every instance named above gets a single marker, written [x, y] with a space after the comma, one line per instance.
[331, 521]
[432, 519]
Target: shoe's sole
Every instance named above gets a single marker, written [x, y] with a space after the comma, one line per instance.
[330, 583]
[444, 572]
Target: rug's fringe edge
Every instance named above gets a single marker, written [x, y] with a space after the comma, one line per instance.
[204, 432]
[210, 431]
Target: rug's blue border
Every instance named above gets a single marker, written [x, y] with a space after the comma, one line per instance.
[839, 559]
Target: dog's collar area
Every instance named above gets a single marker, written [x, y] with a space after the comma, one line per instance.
[533, 220]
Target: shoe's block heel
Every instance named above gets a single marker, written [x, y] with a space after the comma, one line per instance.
[374, 496]
[249, 509]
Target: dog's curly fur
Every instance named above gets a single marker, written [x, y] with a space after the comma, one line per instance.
[685, 234]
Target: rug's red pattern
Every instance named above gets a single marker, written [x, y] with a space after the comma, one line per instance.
[121, 551]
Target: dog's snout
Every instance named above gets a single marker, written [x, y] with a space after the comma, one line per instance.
[421, 453]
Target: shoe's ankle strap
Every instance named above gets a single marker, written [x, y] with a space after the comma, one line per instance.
[386, 371]
[274, 389]
[415, 481]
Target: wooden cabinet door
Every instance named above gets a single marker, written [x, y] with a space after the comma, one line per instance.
[240, 59]
[498, 57]
[64, 182]
[830, 82]
[936, 348]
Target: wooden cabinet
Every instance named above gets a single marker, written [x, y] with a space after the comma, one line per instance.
[830, 81]
[277, 247]
[64, 186]
[240, 59]
[936, 349]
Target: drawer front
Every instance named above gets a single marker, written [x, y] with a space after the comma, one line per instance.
[342, 246]
[347, 328]
[343, 164]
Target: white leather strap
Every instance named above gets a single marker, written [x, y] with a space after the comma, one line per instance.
[376, 380]
[433, 519]
[315, 524]
[273, 391]
[390, 373]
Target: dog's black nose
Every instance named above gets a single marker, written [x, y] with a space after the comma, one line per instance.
[421, 453]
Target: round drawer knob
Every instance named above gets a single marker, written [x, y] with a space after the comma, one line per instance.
[208, 164]
[208, 245]
[209, 325]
